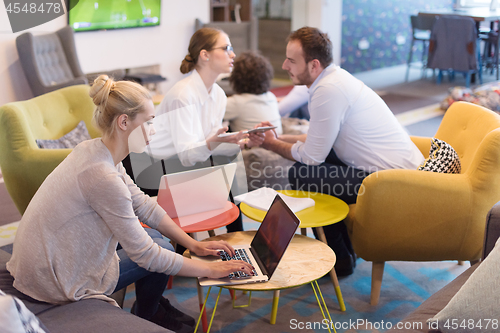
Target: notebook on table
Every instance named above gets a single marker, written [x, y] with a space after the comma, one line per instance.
[264, 196]
[266, 249]
[196, 191]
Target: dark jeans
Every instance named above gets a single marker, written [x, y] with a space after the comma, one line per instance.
[149, 286]
[301, 112]
[335, 178]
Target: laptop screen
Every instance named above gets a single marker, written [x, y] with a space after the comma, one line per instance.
[274, 234]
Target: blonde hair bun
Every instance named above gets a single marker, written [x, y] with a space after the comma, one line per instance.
[99, 92]
[115, 98]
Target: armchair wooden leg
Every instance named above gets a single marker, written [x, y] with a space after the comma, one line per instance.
[460, 262]
[377, 274]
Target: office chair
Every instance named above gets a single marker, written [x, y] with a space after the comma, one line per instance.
[453, 48]
[421, 32]
[490, 51]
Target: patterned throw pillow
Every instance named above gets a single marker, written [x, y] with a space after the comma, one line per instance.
[442, 158]
[70, 140]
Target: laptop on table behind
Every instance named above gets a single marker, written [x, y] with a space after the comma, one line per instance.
[206, 190]
[266, 249]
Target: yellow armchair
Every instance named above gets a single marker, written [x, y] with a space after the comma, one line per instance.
[410, 215]
[25, 166]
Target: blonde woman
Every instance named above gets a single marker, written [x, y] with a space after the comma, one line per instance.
[65, 248]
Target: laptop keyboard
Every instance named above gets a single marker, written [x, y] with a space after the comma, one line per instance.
[240, 254]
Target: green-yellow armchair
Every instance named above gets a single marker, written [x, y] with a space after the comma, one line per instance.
[410, 215]
[25, 166]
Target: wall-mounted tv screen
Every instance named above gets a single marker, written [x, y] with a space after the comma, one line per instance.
[87, 15]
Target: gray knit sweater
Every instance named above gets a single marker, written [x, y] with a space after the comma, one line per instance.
[65, 247]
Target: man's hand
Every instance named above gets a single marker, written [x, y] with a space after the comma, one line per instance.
[269, 136]
[256, 138]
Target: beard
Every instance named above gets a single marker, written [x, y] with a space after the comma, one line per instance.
[304, 78]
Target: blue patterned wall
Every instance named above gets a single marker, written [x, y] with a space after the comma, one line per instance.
[383, 24]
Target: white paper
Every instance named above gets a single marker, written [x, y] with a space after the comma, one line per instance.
[262, 199]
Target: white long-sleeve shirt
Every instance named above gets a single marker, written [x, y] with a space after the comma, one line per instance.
[350, 117]
[244, 111]
[65, 247]
[298, 96]
[187, 116]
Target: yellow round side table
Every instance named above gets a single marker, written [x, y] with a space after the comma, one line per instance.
[327, 210]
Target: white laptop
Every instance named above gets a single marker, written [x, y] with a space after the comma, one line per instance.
[196, 191]
[266, 250]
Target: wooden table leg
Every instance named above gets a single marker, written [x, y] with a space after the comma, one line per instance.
[274, 312]
[303, 231]
[333, 275]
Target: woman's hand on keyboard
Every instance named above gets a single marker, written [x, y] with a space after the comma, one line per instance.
[221, 269]
[212, 248]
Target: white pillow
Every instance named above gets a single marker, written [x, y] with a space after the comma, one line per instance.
[15, 317]
[476, 306]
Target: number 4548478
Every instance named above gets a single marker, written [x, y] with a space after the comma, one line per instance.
[48, 7]
[471, 324]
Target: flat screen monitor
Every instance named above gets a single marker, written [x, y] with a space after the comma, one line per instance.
[88, 15]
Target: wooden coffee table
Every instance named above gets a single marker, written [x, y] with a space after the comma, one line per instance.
[305, 261]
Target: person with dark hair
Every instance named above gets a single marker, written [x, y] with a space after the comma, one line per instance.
[253, 102]
[352, 133]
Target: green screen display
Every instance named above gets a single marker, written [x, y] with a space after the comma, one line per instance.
[89, 15]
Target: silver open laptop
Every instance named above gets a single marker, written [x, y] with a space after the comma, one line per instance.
[267, 248]
[196, 191]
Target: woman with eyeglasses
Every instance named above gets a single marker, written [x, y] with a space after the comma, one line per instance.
[189, 119]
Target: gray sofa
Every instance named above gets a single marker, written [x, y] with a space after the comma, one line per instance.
[439, 300]
[83, 316]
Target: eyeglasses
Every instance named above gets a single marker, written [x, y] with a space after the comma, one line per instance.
[227, 48]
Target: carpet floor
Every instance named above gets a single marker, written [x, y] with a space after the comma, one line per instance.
[405, 286]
